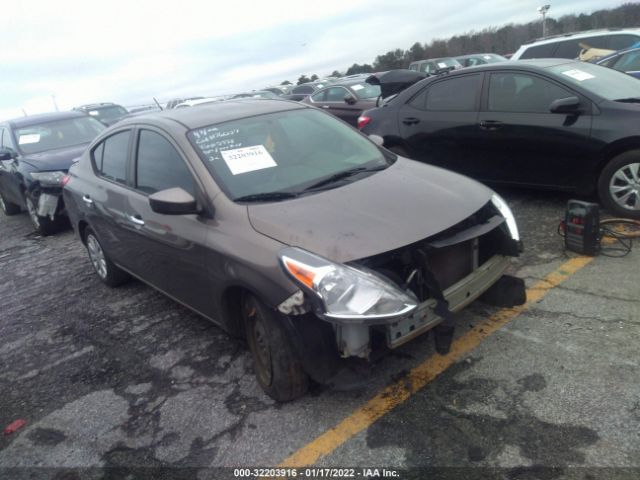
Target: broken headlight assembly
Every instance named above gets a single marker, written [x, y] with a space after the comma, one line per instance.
[505, 211]
[48, 179]
[346, 293]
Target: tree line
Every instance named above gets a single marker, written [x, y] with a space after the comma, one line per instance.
[501, 40]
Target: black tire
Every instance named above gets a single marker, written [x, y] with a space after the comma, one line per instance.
[277, 367]
[621, 176]
[106, 270]
[43, 225]
[8, 208]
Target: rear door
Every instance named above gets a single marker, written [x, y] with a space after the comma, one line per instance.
[166, 250]
[439, 124]
[103, 200]
[521, 141]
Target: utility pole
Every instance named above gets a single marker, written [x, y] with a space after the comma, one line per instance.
[543, 11]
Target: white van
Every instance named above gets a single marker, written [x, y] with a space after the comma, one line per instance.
[569, 45]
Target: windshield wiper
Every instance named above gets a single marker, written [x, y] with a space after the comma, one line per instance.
[265, 197]
[336, 177]
[628, 100]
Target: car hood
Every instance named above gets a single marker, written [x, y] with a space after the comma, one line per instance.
[403, 204]
[59, 159]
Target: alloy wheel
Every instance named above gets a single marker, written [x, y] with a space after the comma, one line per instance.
[96, 255]
[624, 186]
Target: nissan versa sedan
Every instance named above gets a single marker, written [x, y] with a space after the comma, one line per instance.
[35, 154]
[551, 123]
[281, 223]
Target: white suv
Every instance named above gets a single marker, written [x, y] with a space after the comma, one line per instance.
[568, 45]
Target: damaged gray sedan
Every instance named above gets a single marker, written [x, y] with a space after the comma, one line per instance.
[284, 225]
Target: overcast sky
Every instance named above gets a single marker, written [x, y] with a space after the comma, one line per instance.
[129, 51]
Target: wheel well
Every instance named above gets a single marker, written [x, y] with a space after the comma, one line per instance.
[232, 308]
[82, 227]
[616, 149]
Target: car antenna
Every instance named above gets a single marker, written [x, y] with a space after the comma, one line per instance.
[157, 103]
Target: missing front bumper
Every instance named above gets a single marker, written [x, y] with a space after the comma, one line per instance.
[458, 295]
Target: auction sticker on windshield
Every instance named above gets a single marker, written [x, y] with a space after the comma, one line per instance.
[578, 75]
[248, 159]
[29, 138]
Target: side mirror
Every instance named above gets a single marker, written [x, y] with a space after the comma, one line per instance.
[173, 201]
[349, 99]
[377, 139]
[565, 105]
[5, 155]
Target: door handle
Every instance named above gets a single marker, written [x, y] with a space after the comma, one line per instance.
[490, 124]
[136, 219]
[87, 199]
[326, 106]
[410, 121]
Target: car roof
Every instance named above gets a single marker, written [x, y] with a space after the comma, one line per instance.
[529, 64]
[583, 34]
[469, 55]
[96, 105]
[30, 120]
[216, 112]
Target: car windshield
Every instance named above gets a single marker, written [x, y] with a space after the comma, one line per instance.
[604, 82]
[283, 153]
[58, 134]
[108, 113]
[364, 90]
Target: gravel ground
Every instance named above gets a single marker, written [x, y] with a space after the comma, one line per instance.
[126, 378]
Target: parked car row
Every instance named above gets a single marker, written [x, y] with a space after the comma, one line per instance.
[316, 241]
[550, 123]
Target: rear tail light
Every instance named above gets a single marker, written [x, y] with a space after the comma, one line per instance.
[65, 180]
[362, 121]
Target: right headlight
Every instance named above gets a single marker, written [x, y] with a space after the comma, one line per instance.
[345, 292]
[506, 212]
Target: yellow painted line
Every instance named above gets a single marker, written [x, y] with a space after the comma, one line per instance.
[395, 394]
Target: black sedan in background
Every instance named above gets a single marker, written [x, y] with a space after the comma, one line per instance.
[108, 113]
[552, 123]
[35, 154]
[345, 100]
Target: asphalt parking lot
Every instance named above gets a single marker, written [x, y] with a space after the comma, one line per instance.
[109, 378]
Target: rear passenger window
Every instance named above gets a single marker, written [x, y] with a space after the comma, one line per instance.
[571, 48]
[110, 157]
[541, 51]
[452, 95]
[160, 166]
[620, 41]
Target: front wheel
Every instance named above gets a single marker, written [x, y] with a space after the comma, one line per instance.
[619, 185]
[277, 367]
[107, 271]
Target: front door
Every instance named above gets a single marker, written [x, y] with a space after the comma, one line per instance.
[167, 250]
[522, 142]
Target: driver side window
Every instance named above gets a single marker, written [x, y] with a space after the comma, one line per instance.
[159, 166]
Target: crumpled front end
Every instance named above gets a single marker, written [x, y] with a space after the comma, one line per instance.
[440, 275]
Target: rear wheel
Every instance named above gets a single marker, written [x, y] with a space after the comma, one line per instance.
[619, 185]
[43, 225]
[107, 271]
[277, 367]
[7, 207]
